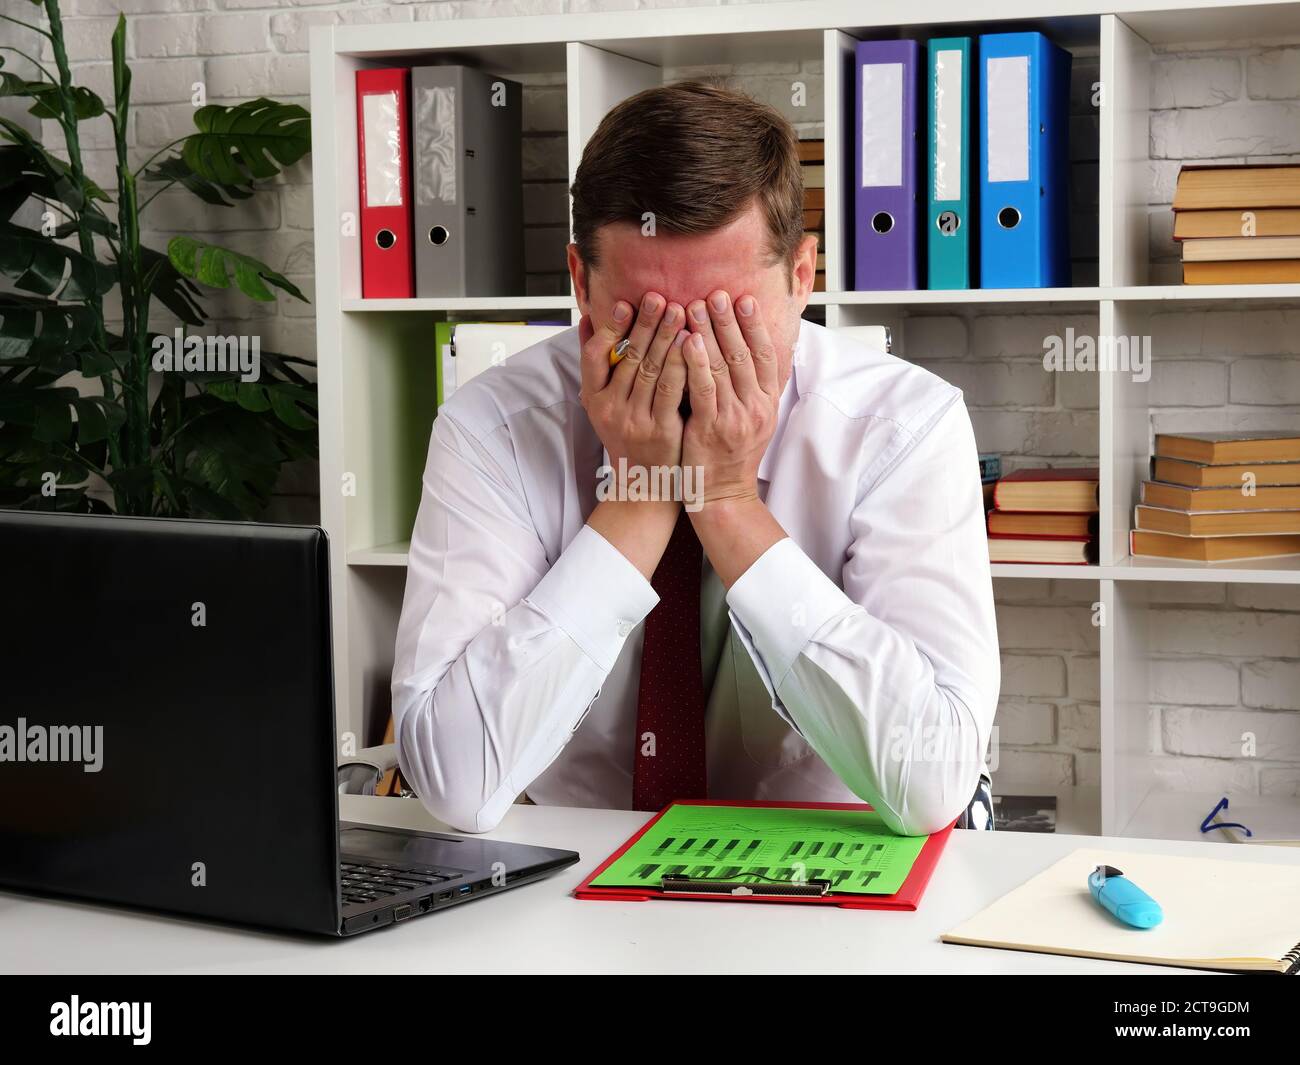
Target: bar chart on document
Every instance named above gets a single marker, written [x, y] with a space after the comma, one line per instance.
[852, 849]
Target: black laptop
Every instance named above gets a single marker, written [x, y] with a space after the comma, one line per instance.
[167, 735]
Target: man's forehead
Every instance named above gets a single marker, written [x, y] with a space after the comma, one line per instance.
[680, 267]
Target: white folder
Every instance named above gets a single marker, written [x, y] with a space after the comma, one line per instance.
[479, 346]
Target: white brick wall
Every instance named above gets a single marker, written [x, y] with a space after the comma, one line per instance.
[1029, 416]
[1048, 717]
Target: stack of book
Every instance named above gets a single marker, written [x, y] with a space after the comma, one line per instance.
[1220, 496]
[1045, 516]
[812, 159]
[1238, 224]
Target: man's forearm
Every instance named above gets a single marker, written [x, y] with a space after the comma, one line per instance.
[735, 534]
[639, 530]
[899, 725]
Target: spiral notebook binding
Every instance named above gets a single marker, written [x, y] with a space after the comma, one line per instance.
[1292, 958]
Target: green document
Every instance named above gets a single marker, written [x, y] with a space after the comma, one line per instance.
[853, 849]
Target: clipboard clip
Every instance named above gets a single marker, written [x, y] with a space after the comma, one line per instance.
[679, 885]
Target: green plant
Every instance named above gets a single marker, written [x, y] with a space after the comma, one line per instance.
[187, 442]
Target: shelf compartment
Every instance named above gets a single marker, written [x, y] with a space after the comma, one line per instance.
[1198, 699]
[388, 379]
[1047, 728]
[1149, 129]
[1208, 367]
[1078, 808]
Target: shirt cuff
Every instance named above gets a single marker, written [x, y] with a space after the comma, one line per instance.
[595, 595]
[781, 602]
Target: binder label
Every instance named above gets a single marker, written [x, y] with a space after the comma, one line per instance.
[435, 157]
[948, 105]
[882, 125]
[383, 152]
[1008, 118]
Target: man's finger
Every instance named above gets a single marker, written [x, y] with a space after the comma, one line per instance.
[638, 354]
[595, 348]
[652, 362]
[668, 390]
[761, 349]
[700, 379]
[702, 326]
[733, 345]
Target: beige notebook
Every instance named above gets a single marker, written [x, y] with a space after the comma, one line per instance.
[1229, 916]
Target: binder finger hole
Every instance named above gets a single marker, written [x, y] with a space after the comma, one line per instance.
[882, 221]
[438, 236]
[385, 238]
[948, 222]
[1008, 218]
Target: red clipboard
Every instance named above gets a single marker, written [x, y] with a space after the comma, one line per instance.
[907, 897]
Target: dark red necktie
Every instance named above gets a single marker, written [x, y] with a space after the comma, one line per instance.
[669, 760]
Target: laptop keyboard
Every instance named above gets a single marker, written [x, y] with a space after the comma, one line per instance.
[363, 882]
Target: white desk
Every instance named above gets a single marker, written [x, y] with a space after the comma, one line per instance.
[541, 928]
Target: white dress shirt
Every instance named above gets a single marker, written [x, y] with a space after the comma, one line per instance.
[855, 660]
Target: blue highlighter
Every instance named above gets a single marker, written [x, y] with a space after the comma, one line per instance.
[1128, 902]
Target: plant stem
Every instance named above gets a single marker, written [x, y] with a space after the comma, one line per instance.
[85, 238]
[135, 301]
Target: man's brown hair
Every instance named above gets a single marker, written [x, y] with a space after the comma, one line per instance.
[694, 155]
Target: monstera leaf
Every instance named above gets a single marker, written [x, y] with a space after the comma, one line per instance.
[43, 333]
[175, 169]
[232, 455]
[249, 141]
[291, 403]
[36, 264]
[30, 160]
[211, 265]
[48, 97]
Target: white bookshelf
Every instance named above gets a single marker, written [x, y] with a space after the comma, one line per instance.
[376, 356]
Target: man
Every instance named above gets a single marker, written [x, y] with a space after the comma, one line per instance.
[814, 621]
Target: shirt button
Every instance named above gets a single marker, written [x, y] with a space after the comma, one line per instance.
[624, 627]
